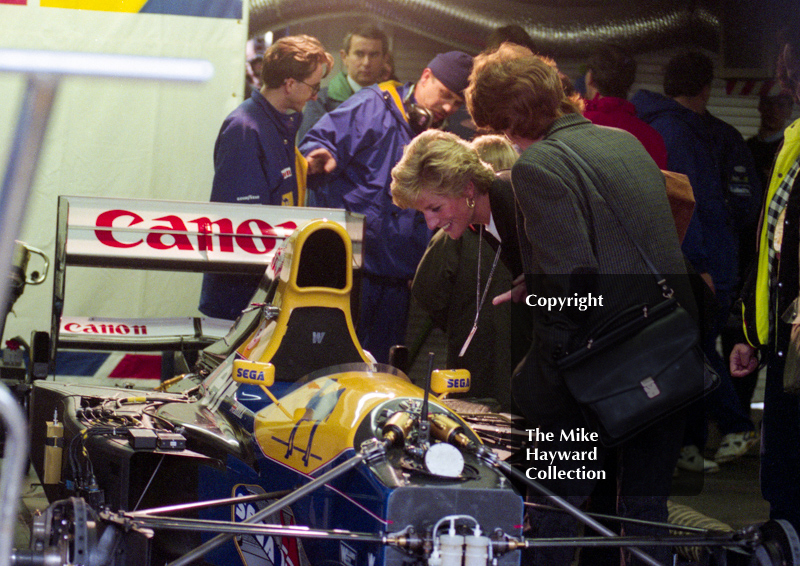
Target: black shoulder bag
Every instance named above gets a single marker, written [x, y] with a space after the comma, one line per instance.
[641, 365]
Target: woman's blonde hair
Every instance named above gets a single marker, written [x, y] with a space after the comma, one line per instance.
[441, 163]
[495, 150]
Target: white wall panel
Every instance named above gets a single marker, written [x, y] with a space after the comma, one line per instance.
[121, 138]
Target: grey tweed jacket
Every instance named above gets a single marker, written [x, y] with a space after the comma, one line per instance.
[573, 244]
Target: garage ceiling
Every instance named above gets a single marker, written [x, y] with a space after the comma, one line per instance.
[559, 27]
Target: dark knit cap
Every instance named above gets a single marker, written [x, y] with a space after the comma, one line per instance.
[452, 69]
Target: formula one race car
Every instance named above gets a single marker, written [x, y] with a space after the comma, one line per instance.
[289, 446]
[287, 401]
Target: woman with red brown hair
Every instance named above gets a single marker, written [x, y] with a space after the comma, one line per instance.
[586, 194]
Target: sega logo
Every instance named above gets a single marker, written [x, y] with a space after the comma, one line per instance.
[457, 383]
[250, 374]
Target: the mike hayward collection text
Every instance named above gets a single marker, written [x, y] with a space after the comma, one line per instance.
[562, 463]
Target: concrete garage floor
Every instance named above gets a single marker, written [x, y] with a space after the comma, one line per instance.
[731, 495]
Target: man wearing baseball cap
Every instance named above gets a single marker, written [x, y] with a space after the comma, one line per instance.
[353, 149]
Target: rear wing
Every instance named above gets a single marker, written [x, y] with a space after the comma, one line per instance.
[169, 236]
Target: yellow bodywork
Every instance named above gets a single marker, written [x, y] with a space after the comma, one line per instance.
[309, 427]
[266, 339]
[325, 415]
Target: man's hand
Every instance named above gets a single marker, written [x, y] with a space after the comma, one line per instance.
[320, 160]
[516, 294]
[743, 360]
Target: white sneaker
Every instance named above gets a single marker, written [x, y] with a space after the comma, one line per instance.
[691, 460]
[735, 445]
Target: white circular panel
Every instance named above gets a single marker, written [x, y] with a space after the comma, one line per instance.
[444, 460]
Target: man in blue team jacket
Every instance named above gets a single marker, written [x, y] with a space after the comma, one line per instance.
[255, 158]
[356, 145]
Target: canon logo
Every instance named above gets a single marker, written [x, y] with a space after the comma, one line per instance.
[253, 236]
[120, 329]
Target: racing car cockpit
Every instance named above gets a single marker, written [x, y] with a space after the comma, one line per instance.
[299, 319]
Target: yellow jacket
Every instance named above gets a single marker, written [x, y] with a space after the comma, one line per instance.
[755, 308]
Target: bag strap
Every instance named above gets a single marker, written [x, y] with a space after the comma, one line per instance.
[588, 174]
